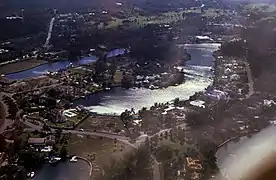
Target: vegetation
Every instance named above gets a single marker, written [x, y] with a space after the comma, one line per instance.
[136, 165]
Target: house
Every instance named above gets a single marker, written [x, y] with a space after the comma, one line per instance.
[198, 103]
[193, 164]
[37, 141]
[203, 39]
[49, 140]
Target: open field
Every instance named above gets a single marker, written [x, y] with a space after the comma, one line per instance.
[104, 149]
[20, 66]
[164, 18]
[118, 77]
[102, 123]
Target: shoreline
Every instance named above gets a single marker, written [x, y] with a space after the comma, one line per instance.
[212, 84]
[89, 164]
[31, 67]
[23, 69]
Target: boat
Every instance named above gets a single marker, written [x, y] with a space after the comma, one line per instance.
[31, 174]
[54, 160]
[73, 159]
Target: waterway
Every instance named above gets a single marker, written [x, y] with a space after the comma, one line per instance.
[118, 99]
[55, 66]
[63, 171]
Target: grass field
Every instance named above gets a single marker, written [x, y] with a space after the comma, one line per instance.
[174, 145]
[104, 149]
[20, 66]
[164, 18]
[118, 77]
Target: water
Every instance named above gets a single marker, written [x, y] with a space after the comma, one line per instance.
[55, 66]
[64, 171]
[118, 99]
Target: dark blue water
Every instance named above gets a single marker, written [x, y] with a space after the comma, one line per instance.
[55, 66]
[64, 171]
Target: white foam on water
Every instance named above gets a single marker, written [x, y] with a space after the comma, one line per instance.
[199, 78]
[139, 98]
[40, 72]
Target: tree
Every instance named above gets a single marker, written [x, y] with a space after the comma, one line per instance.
[63, 152]
[126, 118]
[176, 101]
[127, 81]
[58, 134]
[46, 128]
[3, 143]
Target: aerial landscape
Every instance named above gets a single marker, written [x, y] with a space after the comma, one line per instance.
[133, 89]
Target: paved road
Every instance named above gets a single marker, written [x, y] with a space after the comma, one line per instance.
[89, 133]
[50, 32]
[41, 88]
[250, 81]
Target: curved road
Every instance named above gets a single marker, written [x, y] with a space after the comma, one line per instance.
[50, 32]
[89, 133]
[250, 81]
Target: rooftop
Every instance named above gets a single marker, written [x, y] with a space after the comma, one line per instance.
[36, 141]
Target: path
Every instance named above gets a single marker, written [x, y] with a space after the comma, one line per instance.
[4, 108]
[89, 133]
[250, 81]
[49, 32]
[89, 163]
[40, 88]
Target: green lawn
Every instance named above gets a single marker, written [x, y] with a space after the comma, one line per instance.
[118, 77]
[164, 18]
[105, 149]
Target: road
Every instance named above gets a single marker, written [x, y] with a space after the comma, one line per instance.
[123, 139]
[4, 108]
[49, 32]
[250, 81]
[40, 88]
[157, 170]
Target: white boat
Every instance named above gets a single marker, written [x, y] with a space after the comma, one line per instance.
[31, 174]
[73, 159]
[54, 160]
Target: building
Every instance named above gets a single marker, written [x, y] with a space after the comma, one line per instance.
[37, 141]
[193, 164]
[203, 39]
[198, 103]
[41, 142]
[68, 113]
